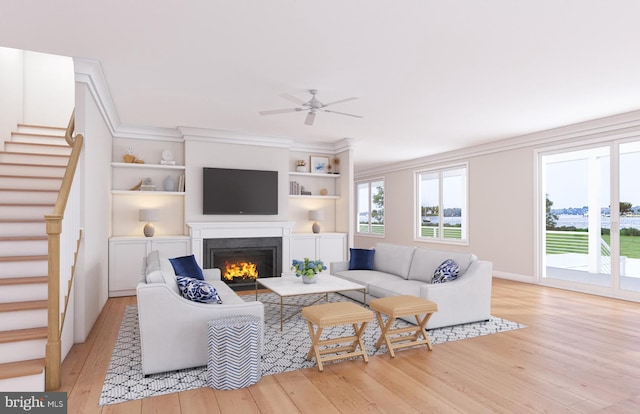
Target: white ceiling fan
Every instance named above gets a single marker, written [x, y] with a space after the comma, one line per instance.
[312, 107]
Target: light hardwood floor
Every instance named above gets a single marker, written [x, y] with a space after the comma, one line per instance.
[579, 354]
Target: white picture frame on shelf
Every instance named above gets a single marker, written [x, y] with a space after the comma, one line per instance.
[319, 165]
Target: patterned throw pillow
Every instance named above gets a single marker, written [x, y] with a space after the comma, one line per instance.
[187, 266]
[197, 290]
[447, 271]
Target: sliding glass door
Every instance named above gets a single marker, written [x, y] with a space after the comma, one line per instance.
[590, 202]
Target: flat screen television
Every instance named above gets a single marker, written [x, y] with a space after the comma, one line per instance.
[233, 191]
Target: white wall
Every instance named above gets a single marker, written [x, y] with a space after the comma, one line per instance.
[48, 89]
[91, 284]
[11, 87]
[200, 153]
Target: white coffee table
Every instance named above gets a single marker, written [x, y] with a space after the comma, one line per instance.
[294, 286]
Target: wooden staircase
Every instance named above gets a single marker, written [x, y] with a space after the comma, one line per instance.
[31, 168]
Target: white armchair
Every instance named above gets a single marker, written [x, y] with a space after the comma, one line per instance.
[173, 330]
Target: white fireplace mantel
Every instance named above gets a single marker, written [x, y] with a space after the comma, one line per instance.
[200, 231]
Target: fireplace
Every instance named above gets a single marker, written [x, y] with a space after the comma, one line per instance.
[242, 260]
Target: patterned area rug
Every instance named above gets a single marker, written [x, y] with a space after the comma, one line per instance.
[283, 351]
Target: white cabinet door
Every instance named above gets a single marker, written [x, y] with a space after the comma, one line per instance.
[303, 246]
[332, 248]
[126, 255]
[125, 266]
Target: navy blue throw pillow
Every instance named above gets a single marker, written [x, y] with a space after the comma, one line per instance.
[361, 259]
[187, 266]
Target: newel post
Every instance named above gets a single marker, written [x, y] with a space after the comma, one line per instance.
[53, 362]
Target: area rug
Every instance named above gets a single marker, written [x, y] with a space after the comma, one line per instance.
[283, 351]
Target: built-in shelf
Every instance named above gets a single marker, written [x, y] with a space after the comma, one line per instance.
[332, 197]
[148, 166]
[314, 175]
[131, 192]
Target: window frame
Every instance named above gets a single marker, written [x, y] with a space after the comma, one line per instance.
[369, 183]
[440, 171]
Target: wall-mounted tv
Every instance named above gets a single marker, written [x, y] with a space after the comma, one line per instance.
[233, 191]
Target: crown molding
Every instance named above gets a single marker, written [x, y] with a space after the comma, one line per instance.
[231, 137]
[618, 126]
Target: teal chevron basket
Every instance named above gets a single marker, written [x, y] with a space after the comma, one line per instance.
[233, 352]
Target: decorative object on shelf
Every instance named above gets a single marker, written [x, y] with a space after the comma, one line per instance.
[308, 269]
[147, 185]
[129, 157]
[137, 186]
[149, 215]
[301, 166]
[336, 165]
[319, 165]
[315, 216]
[138, 161]
[181, 183]
[324, 191]
[167, 158]
[169, 183]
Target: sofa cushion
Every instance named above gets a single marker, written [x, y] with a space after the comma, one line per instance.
[187, 266]
[155, 277]
[364, 277]
[426, 261]
[382, 289]
[361, 259]
[197, 290]
[447, 271]
[394, 259]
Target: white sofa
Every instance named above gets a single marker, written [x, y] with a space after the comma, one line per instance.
[407, 270]
[173, 330]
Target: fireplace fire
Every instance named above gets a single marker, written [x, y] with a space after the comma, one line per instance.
[240, 271]
[242, 260]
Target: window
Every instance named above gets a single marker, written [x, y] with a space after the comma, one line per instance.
[442, 204]
[370, 202]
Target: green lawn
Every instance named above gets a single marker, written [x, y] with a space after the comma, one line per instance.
[629, 245]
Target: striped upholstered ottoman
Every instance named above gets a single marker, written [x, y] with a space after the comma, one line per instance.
[234, 352]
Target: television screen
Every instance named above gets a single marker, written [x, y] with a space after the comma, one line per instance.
[233, 191]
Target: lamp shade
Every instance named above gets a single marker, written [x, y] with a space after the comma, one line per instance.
[315, 215]
[149, 214]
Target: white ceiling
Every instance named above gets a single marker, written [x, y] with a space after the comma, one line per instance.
[431, 76]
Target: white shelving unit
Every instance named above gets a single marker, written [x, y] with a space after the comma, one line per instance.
[315, 182]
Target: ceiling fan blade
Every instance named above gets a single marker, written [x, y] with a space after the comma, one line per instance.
[292, 98]
[311, 116]
[278, 111]
[340, 101]
[341, 113]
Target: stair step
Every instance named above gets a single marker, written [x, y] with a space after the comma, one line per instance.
[23, 245]
[28, 158]
[19, 335]
[37, 148]
[21, 368]
[19, 182]
[42, 129]
[36, 138]
[25, 210]
[23, 289]
[15, 196]
[22, 376]
[23, 266]
[23, 315]
[22, 344]
[29, 169]
[16, 227]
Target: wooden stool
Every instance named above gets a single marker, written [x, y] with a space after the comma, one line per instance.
[334, 314]
[404, 305]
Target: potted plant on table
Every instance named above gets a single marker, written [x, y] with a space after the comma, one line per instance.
[308, 269]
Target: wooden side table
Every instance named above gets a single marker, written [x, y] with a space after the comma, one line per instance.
[334, 314]
[398, 306]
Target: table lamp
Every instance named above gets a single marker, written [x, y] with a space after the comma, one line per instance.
[149, 215]
[315, 216]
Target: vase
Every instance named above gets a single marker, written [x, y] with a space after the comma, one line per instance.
[169, 184]
[301, 168]
[309, 280]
